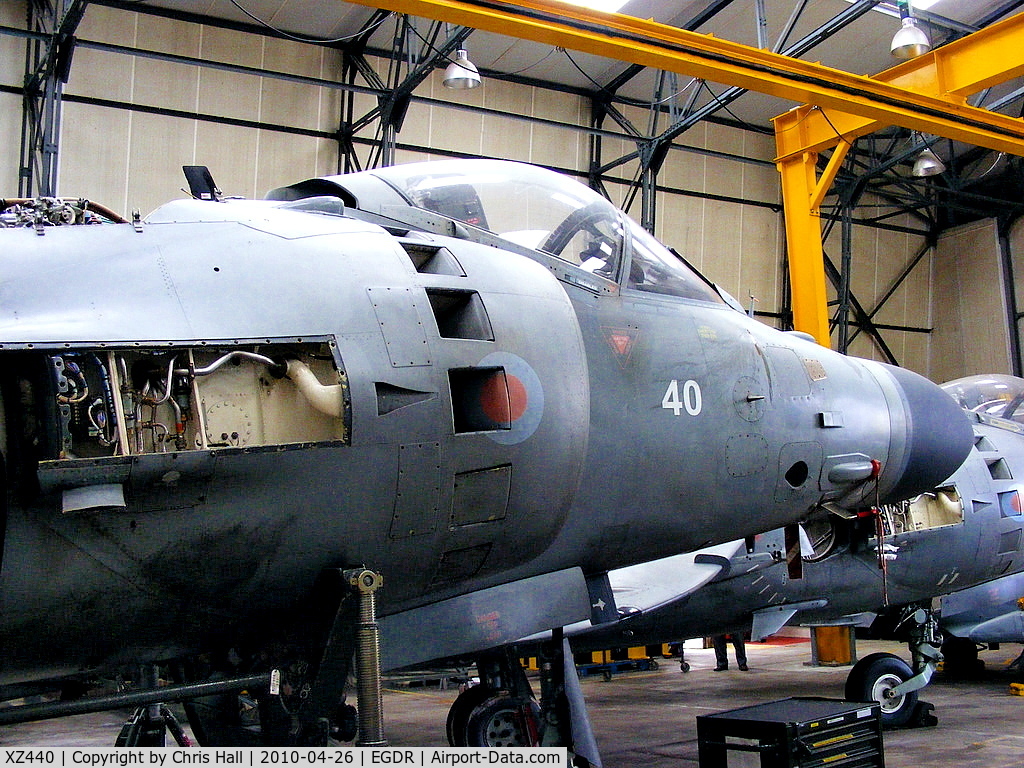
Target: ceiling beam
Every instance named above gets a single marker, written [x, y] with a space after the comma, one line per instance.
[664, 47]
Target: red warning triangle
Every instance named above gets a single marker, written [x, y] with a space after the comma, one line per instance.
[622, 341]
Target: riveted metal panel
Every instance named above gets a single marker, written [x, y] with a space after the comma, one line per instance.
[401, 322]
[416, 499]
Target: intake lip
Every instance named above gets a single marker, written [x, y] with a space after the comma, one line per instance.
[937, 434]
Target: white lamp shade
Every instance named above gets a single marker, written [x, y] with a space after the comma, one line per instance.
[910, 40]
[461, 73]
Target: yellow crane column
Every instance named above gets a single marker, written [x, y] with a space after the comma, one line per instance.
[802, 195]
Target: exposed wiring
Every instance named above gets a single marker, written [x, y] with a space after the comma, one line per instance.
[988, 170]
[299, 38]
[831, 125]
[433, 49]
[430, 45]
[700, 84]
[724, 106]
[450, 60]
[582, 72]
[638, 103]
[800, 122]
[546, 56]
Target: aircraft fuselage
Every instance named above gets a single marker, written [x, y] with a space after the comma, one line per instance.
[200, 414]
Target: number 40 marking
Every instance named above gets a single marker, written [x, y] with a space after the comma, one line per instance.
[689, 399]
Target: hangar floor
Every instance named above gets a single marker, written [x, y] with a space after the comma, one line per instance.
[647, 719]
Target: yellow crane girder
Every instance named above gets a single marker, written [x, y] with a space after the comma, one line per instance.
[951, 73]
[651, 44]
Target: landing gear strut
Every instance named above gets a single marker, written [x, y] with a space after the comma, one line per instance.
[148, 725]
[888, 680]
[303, 705]
[499, 712]
[148, 728]
[502, 712]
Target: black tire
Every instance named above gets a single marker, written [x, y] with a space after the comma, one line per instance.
[872, 676]
[345, 723]
[461, 709]
[499, 722]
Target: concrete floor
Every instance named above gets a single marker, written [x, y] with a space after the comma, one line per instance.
[647, 719]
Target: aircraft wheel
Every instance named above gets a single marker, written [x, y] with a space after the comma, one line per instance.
[461, 709]
[500, 721]
[872, 676]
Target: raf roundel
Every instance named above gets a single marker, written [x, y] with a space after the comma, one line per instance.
[519, 402]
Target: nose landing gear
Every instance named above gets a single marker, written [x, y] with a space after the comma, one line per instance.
[887, 679]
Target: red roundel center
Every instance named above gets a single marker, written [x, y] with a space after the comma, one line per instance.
[503, 398]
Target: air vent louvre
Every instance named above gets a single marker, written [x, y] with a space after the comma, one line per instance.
[460, 314]
[432, 259]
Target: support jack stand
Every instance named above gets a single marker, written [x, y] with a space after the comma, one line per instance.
[148, 726]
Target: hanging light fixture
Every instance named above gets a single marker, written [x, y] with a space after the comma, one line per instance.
[461, 73]
[927, 164]
[910, 40]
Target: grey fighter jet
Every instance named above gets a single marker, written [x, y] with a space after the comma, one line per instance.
[983, 615]
[223, 426]
[964, 532]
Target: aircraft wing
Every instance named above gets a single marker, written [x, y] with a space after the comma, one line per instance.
[647, 586]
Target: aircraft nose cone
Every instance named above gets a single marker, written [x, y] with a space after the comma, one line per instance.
[938, 437]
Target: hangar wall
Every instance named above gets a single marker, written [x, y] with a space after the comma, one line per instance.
[970, 308]
[1015, 246]
[12, 71]
[130, 122]
[132, 159]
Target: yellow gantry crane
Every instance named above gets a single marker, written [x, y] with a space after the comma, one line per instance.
[951, 73]
[927, 94]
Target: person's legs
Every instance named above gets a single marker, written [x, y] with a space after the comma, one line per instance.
[721, 653]
[741, 650]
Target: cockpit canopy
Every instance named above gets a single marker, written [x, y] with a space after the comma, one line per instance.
[531, 207]
[997, 395]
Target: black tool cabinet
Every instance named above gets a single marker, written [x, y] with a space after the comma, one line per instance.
[793, 733]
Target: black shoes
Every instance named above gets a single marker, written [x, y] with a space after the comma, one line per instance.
[721, 668]
[744, 668]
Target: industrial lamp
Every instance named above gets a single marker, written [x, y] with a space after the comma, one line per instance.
[927, 164]
[910, 40]
[461, 73]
